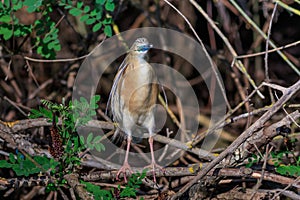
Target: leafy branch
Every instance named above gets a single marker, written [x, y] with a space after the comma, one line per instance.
[44, 31]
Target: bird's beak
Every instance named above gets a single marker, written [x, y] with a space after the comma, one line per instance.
[148, 46]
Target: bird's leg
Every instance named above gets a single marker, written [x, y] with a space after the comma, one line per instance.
[153, 164]
[125, 166]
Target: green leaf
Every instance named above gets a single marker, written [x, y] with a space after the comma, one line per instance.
[5, 164]
[97, 139]
[99, 147]
[5, 18]
[97, 192]
[110, 6]
[128, 192]
[94, 13]
[89, 138]
[92, 113]
[21, 30]
[86, 9]
[79, 4]
[107, 21]
[33, 5]
[75, 12]
[289, 170]
[99, 14]
[96, 99]
[54, 45]
[12, 158]
[97, 26]
[108, 30]
[100, 2]
[83, 101]
[6, 31]
[47, 38]
[84, 18]
[81, 139]
[91, 146]
[68, 6]
[90, 21]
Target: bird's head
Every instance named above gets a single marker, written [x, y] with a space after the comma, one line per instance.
[141, 46]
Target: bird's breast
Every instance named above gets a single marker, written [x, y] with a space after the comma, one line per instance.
[139, 87]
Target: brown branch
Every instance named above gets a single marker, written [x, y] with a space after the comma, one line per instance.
[265, 135]
[25, 124]
[175, 143]
[73, 181]
[241, 172]
[169, 171]
[287, 94]
[34, 123]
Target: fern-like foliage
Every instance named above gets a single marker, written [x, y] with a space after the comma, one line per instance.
[44, 31]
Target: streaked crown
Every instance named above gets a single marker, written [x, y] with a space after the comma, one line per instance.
[141, 45]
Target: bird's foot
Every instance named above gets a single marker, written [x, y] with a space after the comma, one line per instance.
[155, 166]
[123, 169]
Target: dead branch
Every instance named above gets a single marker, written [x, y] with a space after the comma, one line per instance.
[73, 181]
[287, 94]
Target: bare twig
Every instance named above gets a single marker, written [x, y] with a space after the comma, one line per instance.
[288, 186]
[73, 181]
[239, 65]
[202, 45]
[63, 59]
[34, 123]
[191, 170]
[250, 21]
[269, 51]
[287, 94]
[266, 55]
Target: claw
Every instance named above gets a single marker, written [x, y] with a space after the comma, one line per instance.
[123, 170]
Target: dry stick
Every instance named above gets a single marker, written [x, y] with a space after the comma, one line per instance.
[57, 60]
[206, 53]
[244, 115]
[34, 162]
[203, 48]
[259, 182]
[18, 106]
[240, 88]
[29, 69]
[291, 9]
[16, 126]
[287, 193]
[64, 59]
[221, 123]
[10, 77]
[175, 143]
[41, 87]
[34, 123]
[269, 51]
[266, 55]
[239, 65]
[250, 21]
[73, 181]
[295, 182]
[191, 170]
[287, 94]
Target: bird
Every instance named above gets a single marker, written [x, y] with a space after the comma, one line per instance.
[133, 98]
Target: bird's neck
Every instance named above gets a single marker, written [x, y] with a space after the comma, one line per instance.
[138, 56]
[139, 65]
